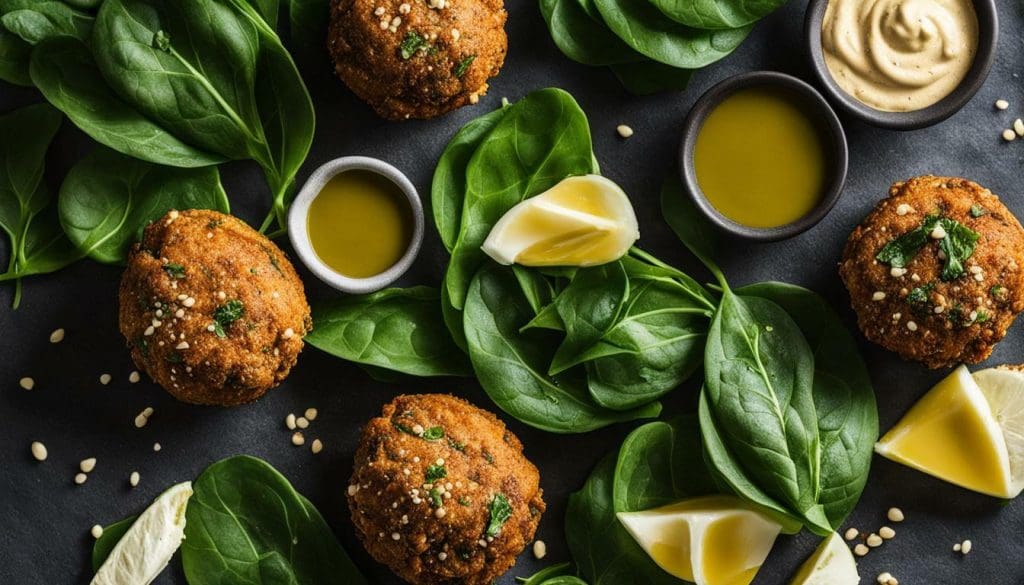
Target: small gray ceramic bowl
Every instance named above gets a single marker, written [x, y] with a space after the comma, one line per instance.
[988, 35]
[818, 111]
[299, 235]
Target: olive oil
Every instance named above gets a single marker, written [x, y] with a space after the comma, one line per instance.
[760, 161]
[360, 224]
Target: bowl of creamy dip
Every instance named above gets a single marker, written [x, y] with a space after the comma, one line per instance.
[901, 64]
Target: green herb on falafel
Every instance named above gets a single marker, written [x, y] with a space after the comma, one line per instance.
[434, 433]
[500, 511]
[435, 473]
[226, 314]
[176, 271]
[412, 43]
[463, 66]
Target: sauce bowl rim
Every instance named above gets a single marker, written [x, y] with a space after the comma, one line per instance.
[298, 231]
[824, 118]
[984, 57]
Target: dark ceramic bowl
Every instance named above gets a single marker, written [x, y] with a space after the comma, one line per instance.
[820, 113]
[988, 34]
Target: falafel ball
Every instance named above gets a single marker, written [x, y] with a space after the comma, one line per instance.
[936, 271]
[212, 310]
[441, 492]
[417, 59]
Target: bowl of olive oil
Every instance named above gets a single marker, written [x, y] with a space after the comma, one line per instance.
[763, 156]
[357, 224]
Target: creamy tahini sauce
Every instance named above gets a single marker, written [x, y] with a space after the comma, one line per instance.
[899, 55]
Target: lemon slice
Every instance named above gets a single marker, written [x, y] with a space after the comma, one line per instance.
[831, 564]
[952, 434]
[1004, 390]
[581, 221]
[714, 540]
[144, 551]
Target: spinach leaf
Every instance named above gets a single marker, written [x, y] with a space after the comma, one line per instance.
[38, 245]
[553, 575]
[588, 308]
[583, 39]
[759, 373]
[111, 536]
[647, 77]
[957, 245]
[108, 198]
[64, 71]
[644, 28]
[14, 58]
[397, 329]
[35, 20]
[246, 99]
[448, 188]
[453, 321]
[547, 318]
[541, 139]
[717, 14]
[246, 524]
[690, 225]
[512, 366]
[538, 291]
[843, 396]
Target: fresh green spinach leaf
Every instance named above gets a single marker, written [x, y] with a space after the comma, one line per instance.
[588, 308]
[35, 20]
[717, 14]
[397, 329]
[547, 576]
[583, 39]
[14, 58]
[108, 198]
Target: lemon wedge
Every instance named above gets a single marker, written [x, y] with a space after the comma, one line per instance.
[831, 564]
[581, 221]
[952, 434]
[1003, 388]
[144, 551]
[714, 540]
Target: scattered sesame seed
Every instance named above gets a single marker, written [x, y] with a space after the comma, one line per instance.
[288, 333]
[301, 422]
[1002, 104]
[310, 414]
[442, 556]
[440, 513]
[27, 383]
[874, 541]
[966, 546]
[133, 479]
[1018, 127]
[182, 345]
[149, 331]
[156, 447]
[143, 417]
[540, 549]
[105, 379]
[456, 34]
[957, 547]
[134, 377]
[379, 11]
[1009, 135]
[624, 131]
[57, 336]
[383, 25]
[289, 421]
[39, 451]
[938, 233]
[298, 440]
[417, 429]
[895, 515]
[173, 214]
[878, 296]
[887, 579]
[87, 465]
[353, 489]
[96, 531]
[188, 302]
[911, 325]
[396, 536]
[861, 550]
[886, 533]
[851, 533]
[897, 272]
[317, 446]
[80, 478]
[903, 209]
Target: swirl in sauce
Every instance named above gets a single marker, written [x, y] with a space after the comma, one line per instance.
[899, 55]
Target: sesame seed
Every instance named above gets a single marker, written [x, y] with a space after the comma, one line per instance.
[39, 451]
[173, 214]
[301, 422]
[156, 447]
[903, 209]
[379, 11]
[182, 345]
[298, 440]
[861, 550]
[188, 302]
[149, 331]
[897, 272]
[133, 479]
[87, 465]
[404, 8]
[895, 515]
[353, 489]
[965, 548]
[1009, 135]
[886, 533]
[27, 383]
[80, 478]
[288, 333]
[180, 313]
[851, 533]
[938, 233]
[396, 536]
[540, 549]
[383, 25]
[624, 131]
[441, 556]
[878, 296]
[317, 446]
[147, 412]
[96, 531]
[105, 379]
[311, 413]
[1002, 104]
[211, 328]
[57, 336]
[957, 547]
[134, 377]
[417, 429]
[912, 325]
[874, 541]
[440, 513]
[1018, 127]
[396, 21]
[289, 421]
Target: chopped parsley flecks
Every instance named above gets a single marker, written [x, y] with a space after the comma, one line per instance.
[999, 292]
[434, 433]
[500, 511]
[435, 498]
[412, 43]
[978, 211]
[435, 473]
[921, 294]
[465, 501]
[457, 445]
[214, 224]
[957, 245]
[982, 316]
[175, 270]
[463, 66]
[488, 457]
[403, 427]
[226, 314]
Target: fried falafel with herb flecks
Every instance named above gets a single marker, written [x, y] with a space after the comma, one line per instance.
[442, 493]
[212, 310]
[936, 271]
[417, 59]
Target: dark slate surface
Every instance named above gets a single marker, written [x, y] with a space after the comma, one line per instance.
[46, 518]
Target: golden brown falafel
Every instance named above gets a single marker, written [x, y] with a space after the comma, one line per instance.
[417, 59]
[212, 310]
[442, 493]
[911, 297]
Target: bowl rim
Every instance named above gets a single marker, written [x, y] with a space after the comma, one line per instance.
[988, 39]
[828, 122]
[298, 231]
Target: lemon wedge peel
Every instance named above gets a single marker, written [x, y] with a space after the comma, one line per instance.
[147, 547]
[582, 221]
[713, 540]
[1003, 389]
[951, 434]
[831, 564]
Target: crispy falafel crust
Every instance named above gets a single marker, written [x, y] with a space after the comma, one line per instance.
[961, 320]
[464, 45]
[188, 264]
[388, 493]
